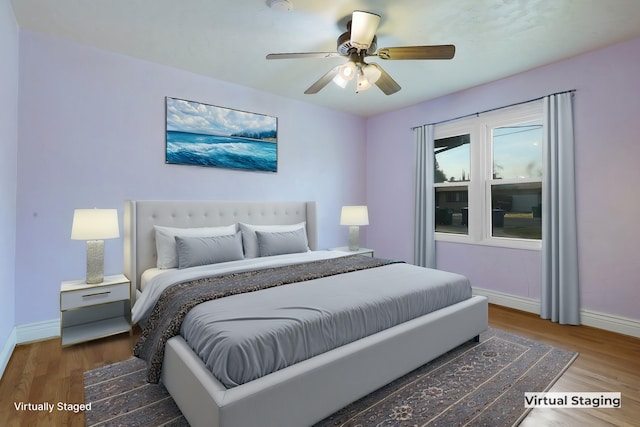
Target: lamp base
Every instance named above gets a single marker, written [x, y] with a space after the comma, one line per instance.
[354, 237]
[95, 261]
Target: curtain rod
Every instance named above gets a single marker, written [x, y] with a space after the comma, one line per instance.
[493, 109]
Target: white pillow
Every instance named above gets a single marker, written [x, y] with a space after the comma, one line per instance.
[250, 240]
[166, 240]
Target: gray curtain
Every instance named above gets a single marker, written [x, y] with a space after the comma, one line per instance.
[560, 293]
[424, 238]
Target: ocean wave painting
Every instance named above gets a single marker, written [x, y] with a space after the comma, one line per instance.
[206, 135]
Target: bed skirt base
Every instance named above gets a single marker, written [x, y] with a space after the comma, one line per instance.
[309, 391]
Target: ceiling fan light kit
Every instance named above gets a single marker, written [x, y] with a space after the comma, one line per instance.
[371, 73]
[362, 83]
[340, 81]
[356, 44]
[348, 70]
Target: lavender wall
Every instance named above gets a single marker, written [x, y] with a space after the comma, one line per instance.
[90, 131]
[92, 135]
[8, 169]
[607, 107]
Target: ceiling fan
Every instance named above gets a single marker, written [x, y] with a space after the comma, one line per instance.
[359, 42]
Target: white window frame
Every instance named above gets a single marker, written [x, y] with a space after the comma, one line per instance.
[481, 173]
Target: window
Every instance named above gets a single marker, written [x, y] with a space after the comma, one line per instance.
[451, 177]
[488, 178]
[515, 187]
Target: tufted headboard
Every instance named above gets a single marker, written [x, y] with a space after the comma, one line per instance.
[141, 215]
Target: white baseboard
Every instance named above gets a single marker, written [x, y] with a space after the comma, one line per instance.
[608, 322]
[37, 331]
[26, 333]
[507, 300]
[7, 351]
[619, 324]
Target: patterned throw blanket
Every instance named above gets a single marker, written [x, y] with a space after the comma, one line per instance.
[176, 301]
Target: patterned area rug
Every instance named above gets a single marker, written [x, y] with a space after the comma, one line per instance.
[477, 384]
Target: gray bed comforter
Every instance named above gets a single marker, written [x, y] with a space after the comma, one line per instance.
[246, 336]
[177, 299]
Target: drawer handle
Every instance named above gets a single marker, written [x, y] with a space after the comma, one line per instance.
[96, 295]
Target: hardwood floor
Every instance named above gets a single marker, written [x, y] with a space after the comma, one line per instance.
[608, 362]
[45, 372]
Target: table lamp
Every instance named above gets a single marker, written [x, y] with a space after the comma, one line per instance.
[354, 217]
[94, 225]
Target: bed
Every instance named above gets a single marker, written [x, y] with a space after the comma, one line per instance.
[304, 392]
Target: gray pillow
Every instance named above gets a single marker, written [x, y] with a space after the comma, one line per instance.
[194, 251]
[250, 239]
[166, 240]
[282, 242]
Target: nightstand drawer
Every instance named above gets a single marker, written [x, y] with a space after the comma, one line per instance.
[94, 295]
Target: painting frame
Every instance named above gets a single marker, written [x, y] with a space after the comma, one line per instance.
[199, 134]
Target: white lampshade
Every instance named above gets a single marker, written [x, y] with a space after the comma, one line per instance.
[95, 224]
[348, 70]
[340, 81]
[347, 73]
[354, 215]
[371, 72]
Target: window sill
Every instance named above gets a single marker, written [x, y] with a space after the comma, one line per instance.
[507, 243]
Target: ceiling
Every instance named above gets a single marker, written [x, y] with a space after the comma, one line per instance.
[228, 40]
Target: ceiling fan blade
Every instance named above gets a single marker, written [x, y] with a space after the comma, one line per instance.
[363, 28]
[303, 55]
[445, 51]
[385, 82]
[323, 81]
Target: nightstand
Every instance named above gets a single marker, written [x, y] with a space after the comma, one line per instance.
[360, 251]
[89, 312]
